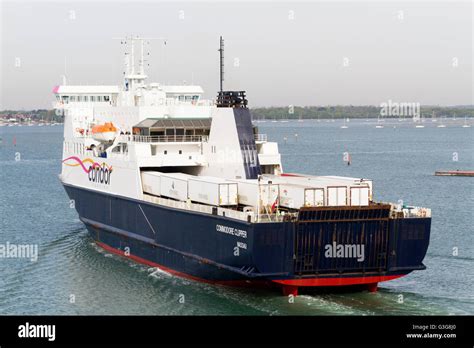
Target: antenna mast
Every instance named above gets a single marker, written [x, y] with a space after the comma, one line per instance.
[233, 99]
[221, 50]
[130, 62]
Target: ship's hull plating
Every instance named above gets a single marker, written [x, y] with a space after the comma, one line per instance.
[218, 249]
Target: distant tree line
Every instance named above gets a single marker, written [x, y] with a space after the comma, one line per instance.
[339, 111]
[36, 115]
[291, 112]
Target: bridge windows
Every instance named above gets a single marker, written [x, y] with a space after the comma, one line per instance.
[187, 98]
[81, 98]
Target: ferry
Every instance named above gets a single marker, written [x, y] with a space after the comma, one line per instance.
[166, 178]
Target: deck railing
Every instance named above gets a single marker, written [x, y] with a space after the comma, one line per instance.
[176, 138]
[220, 211]
[402, 211]
[164, 138]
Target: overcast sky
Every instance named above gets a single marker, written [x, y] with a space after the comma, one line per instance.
[281, 53]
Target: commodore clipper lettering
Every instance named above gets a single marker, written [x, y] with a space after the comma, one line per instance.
[174, 203]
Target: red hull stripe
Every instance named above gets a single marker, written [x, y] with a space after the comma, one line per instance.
[171, 271]
[151, 264]
[292, 282]
[336, 281]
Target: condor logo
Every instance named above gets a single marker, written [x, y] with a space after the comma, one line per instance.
[100, 174]
[96, 172]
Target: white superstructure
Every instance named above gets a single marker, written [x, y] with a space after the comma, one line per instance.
[150, 127]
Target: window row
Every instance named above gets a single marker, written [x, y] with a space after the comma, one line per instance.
[83, 98]
[188, 98]
[75, 148]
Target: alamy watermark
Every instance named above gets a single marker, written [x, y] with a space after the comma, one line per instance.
[23, 251]
[28, 330]
[392, 108]
[335, 250]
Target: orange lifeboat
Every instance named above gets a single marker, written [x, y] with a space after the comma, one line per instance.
[104, 132]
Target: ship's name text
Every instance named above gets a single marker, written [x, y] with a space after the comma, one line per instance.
[231, 230]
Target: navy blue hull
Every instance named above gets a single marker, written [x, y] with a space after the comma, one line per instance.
[220, 249]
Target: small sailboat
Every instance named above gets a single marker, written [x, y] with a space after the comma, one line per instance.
[104, 132]
[465, 125]
[379, 124]
[344, 126]
[419, 121]
[441, 125]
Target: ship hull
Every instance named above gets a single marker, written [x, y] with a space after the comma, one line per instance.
[221, 250]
